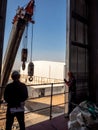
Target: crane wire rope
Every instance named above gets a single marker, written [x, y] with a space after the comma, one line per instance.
[31, 44]
[24, 52]
[25, 37]
[32, 35]
[31, 65]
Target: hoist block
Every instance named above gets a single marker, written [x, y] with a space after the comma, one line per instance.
[24, 54]
[30, 69]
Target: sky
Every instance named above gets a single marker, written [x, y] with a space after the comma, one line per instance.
[49, 30]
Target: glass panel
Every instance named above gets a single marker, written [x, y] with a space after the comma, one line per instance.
[73, 29]
[86, 35]
[78, 56]
[73, 61]
[79, 32]
[81, 7]
[81, 60]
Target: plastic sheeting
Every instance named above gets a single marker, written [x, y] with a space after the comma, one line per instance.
[83, 116]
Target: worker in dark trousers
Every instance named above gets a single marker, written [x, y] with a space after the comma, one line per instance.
[71, 83]
[15, 95]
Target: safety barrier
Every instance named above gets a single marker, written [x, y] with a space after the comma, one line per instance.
[49, 103]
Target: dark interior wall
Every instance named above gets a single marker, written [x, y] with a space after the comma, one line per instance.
[93, 49]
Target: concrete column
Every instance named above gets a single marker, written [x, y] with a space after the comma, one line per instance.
[93, 48]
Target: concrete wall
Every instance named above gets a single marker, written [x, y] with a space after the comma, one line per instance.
[48, 69]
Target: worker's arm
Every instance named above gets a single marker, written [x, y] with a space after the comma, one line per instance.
[68, 83]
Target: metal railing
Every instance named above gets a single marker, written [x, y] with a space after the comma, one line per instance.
[50, 100]
[45, 105]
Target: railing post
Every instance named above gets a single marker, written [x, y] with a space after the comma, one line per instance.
[51, 101]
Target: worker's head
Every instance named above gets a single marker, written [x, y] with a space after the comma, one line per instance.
[70, 74]
[15, 75]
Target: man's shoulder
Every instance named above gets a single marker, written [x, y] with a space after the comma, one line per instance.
[9, 84]
[22, 83]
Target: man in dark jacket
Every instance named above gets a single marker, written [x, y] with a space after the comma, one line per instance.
[71, 83]
[15, 95]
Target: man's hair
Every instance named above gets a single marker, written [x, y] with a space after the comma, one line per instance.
[15, 75]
